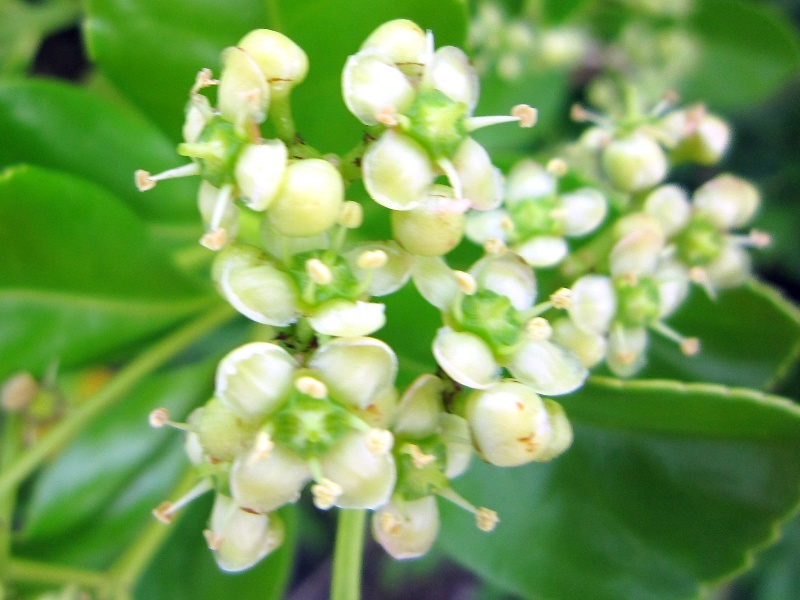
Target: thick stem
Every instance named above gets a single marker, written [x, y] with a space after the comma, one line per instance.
[113, 391]
[346, 582]
[280, 112]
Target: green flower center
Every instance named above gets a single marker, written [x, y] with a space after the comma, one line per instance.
[537, 216]
[492, 317]
[310, 426]
[343, 284]
[437, 122]
[217, 150]
[699, 243]
[638, 303]
[420, 468]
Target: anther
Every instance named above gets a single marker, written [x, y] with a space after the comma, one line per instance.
[318, 271]
[379, 441]
[387, 116]
[214, 239]
[372, 259]
[325, 493]
[158, 418]
[539, 328]
[351, 215]
[147, 181]
[18, 391]
[419, 458]
[486, 519]
[311, 387]
[204, 79]
[527, 115]
[557, 167]
[262, 448]
[760, 239]
[164, 512]
[466, 282]
[495, 247]
[690, 346]
[143, 180]
[561, 298]
[389, 523]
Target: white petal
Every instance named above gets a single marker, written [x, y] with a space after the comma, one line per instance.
[267, 484]
[466, 358]
[253, 379]
[669, 205]
[259, 172]
[542, 250]
[242, 538]
[528, 179]
[638, 251]
[388, 278]
[407, 530]
[367, 479]
[397, 171]
[356, 369]
[590, 347]
[626, 350]
[547, 368]
[585, 210]
[482, 226]
[243, 94]
[372, 83]
[481, 182]
[732, 267]
[727, 201]
[344, 318]
[401, 41]
[255, 287]
[673, 285]
[435, 281]
[452, 74]
[420, 407]
[282, 246]
[508, 276]
[594, 303]
[458, 444]
[635, 163]
[283, 63]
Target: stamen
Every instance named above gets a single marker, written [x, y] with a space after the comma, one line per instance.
[670, 99]
[418, 457]
[755, 239]
[527, 115]
[325, 493]
[466, 282]
[581, 114]
[557, 167]
[204, 79]
[688, 345]
[387, 116]
[165, 512]
[262, 448]
[372, 259]
[389, 523]
[311, 387]
[495, 247]
[147, 181]
[18, 391]
[539, 328]
[217, 235]
[522, 113]
[351, 215]
[379, 441]
[160, 418]
[214, 239]
[318, 271]
[561, 298]
[486, 519]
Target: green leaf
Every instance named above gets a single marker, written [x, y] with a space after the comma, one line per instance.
[747, 51]
[185, 570]
[750, 337]
[666, 488]
[331, 31]
[67, 128]
[152, 50]
[79, 275]
[111, 452]
[775, 576]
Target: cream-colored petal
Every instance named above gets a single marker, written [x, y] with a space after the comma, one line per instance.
[548, 368]
[732, 267]
[590, 347]
[243, 94]
[355, 369]
[259, 172]
[371, 83]
[626, 350]
[482, 226]
[343, 318]
[420, 408]
[408, 529]
[673, 282]
[669, 205]
[268, 483]
[435, 281]
[585, 210]
[397, 171]
[401, 41]
[458, 444]
[481, 181]
[466, 358]
[727, 201]
[508, 276]
[542, 250]
[594, 303]
[452, 74]
[528, 179]
[388, 278]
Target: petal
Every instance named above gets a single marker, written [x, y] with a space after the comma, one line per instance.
[401, 41]
[594, 303]
[243, 94]
[397, 171]
[343, 318]
[727, 201]
[356, 369]
[458, 444]
[635, 163]
[267, 484]
[371, 83]
[589, 346]
[508, 276]
[367, 478]
[282, 246]
[451, 73]
[420, 408]
[673, 285]
[669, 205]
[388, 278]
[542, 250]
[255, 287]
[253, 379]
[547, 368]
[466, 358]
[435, 281]
[732, 267]
[481, 182]
[585, 210]
[259, 172]
[241, 539]
[626, 350]
[639, 249]
[528, 179]
[407, 530]
[482, 226]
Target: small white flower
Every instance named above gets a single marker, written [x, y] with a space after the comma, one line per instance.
[407, 529]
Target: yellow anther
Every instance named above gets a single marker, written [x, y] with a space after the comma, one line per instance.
[418, 457]
[495, 247]
[165, 512]
[262, 448]
[144, 181]
[351, 215]
[557, 167]
[158, 418]
[690, 346]
[760, 239]
[466, 282]
[486, 519]
[18, 391]
[379, 441]
[204, 79]
[318, 271]
[561, 298]
[539, 328]
[387, 116]
[213, 540]
[372, 259]
[527, 115]
[389, 523]
[325, 493]
[215, 239]
[311, 387]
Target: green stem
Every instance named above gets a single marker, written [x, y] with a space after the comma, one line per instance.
[126, 571]
[12, 436]
[280, 112]
[114, 390]
[346, 582]
[38, 572]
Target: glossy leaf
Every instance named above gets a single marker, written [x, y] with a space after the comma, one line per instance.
[747, 51]
[152, 50]
[775, 575]
[666, 487]
[67, 128]
[79, 276]
[331, 31]
[749, 337]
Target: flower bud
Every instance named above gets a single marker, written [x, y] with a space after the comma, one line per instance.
[343, 318]
[243, 95]
[309, 200]
[507, 276]
[727, 201]
[259, 172]
[221, 433]
[466, 358]
[669, 206]
[509, 423]
[397, 171]
[372, 84]
[635, 163]
[265, 483]
[240, 539]
[547, 368]
[431, 229]
[407, 529]
[585, 209]
[282, 62]
[401, 41]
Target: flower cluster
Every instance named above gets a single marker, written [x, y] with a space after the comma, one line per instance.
[317, 404]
